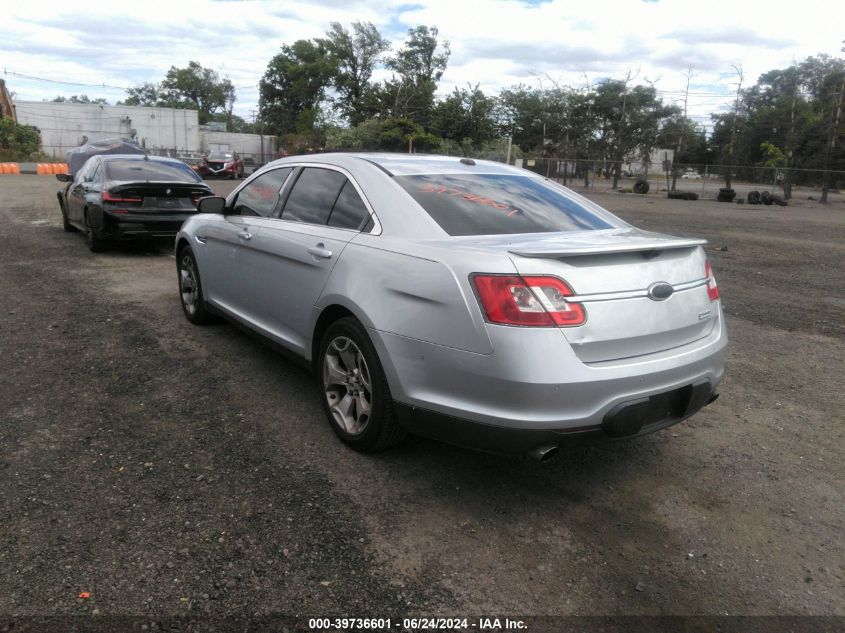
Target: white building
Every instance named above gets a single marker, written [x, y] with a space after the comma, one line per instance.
[67, 125]
[253, 145]
[634, 162]
[163, 131]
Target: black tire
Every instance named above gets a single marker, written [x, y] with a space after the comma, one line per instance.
[682, 195]
[766, 198]
[726, 195]
[96, 244]
[753, 197]
[381, 428]
[779, 200]
[66, 225]
[193, 303]
[641, 186]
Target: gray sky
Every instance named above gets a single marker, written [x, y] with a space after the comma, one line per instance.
[495, 43]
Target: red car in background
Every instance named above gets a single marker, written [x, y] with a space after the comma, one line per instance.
[221, 164]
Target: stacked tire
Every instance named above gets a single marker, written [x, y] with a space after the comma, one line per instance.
[726, 195]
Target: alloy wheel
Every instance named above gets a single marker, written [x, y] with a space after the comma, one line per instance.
[347, 385]
[188, 286]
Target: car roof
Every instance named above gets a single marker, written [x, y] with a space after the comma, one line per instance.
[408, 164]
[418, 164]
[156, 159]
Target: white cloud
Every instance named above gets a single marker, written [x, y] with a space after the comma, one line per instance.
[495, 43]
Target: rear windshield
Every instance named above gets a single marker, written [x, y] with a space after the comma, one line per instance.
[142, 170]
[497, 204]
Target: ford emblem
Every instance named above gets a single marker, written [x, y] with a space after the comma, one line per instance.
[660, 291]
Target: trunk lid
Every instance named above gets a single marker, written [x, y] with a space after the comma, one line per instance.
[158, 196]
[612, 273]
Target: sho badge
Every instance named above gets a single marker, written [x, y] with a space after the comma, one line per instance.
[660, 291]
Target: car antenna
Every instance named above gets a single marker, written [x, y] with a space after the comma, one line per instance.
[467, 161]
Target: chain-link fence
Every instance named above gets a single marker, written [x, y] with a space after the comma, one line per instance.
[705, 181]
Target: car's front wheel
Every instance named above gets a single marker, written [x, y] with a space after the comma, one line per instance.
[354, 390]
[190, 288]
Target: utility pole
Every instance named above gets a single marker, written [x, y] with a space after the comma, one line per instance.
[738, 70]
[790, 145]
[677, 155]
[618, 157]
[834, 133]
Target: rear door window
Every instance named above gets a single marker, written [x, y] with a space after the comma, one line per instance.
[261, 196]
[313, 196]
[349, 211]
[498, 204]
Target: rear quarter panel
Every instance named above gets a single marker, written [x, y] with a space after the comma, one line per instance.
[400, 287]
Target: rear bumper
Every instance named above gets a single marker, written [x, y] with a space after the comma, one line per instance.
[139, 226]
[534, 388]
[626, 420]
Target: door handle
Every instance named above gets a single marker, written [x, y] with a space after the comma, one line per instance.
[245, 235]
[320, 251]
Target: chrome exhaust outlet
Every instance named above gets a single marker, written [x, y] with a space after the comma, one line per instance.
[543, 453]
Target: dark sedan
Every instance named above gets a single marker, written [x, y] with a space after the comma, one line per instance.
[124, 197]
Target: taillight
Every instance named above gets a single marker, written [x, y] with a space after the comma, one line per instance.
[712, 288]
[536, 301]
[111, 197]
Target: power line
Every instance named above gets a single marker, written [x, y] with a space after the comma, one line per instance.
[56, 81]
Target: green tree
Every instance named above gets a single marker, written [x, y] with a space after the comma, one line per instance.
[193, 87]
[790, 111]
[353, 57]
[80, 99]
[145, 94]
[17, 141]
[197, 87]
[417, 69]
[540, 121]
[390, 135]
[465, 116]
[293, 87]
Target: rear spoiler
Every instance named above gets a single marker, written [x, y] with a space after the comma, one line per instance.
[555, 251]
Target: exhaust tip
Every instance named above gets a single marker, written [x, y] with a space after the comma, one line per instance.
[543, 453]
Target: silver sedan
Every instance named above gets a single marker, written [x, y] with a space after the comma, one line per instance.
[462, 300]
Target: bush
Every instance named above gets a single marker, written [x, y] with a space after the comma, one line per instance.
[389, 135]
[18, 142]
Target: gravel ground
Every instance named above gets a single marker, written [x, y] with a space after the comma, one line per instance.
[170, 470]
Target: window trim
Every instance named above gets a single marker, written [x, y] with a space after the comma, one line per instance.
[282, 194]
[298, 166]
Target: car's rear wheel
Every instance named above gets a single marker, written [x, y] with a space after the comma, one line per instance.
[66, 225]
[96, 244]
[190, 288]
[354, 390]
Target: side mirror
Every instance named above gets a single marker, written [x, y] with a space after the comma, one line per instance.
[64, 177]
[211, 204]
